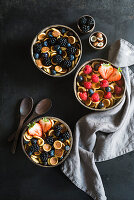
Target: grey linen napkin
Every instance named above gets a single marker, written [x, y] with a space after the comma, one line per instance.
[101, 136]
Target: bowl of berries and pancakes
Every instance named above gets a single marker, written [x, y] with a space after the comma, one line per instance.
[99, 85]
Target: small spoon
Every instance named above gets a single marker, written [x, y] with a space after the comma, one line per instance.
[41, 108]
[25, 109]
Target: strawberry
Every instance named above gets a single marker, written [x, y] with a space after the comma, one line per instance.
[35, 129]
[120, 82]
[87, 84]
[118, 90]
[87, 69]
[115, 76]
[108, 95]
[83, 96]
[95, 78]
[95, 97]
[104, 83]
[105, 70]
[46, 124]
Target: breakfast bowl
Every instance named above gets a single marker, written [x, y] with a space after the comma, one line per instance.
[47, 141]
[98, 40]
[86, 24]
[99, 85]
[56, 50]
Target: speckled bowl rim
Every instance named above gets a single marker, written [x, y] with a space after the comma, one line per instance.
[75, 90]
[93, 45]
[36, 120]
[54, 26]
[90, 29]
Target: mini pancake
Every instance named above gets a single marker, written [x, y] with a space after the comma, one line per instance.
[92, 105]
[81, 73]
[52, 49]
[64, 54]
[25, 138]
[27, 135]
[56, 33]
[100, 92]
[53, 161]
[81, 89]
[73, 64]
[76, 60]
[59, 153]
[112, 88]
[37, 153]
[106, 102]
[53, 54]
[51, 132]
[68, 142]
[88, 102]
[63, 48]
[47, 67]
[63, 71]
[77, 54]
[71, 39]
[45, 49]
[41, 36]
[96, 85]
[111, 102]
[47, 70]
[35, 159]
[34, 156]
[38, 63]
[29, 144]
[63, 128]
[117, 96]
[58, 144]
[40, 142]
[58, 68]
[94, 63]
[47, 147]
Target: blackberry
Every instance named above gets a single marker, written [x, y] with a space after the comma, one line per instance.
[62, 41]
[85, 28]
[67, 64]
[37, 47]
[50, 140]
[66, 135]
[46, 61]
[82, 20]
[26, 142]
[57, 130]
[30, 150]
[52, 41]
[90, 22]
[57, 47]
[34, 141]
[44, 156]
[36, 147]
[57, 59]
[44, 55]
[71, 50]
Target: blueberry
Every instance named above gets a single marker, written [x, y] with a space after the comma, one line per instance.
[57, 47]
[80, 78]
[36, 55]
[71, 57]
[108, 89]
[60, 158]
[26, 142]
[100, 105]
[68, 45]
[61, 139]
[33, 140]
[29, 153]
[50, 34]
[51, 153]
[59, 51]
[45, 43]
[44, 55]
[63, 30]
[53, 72]
[90, 91]
[67, 147]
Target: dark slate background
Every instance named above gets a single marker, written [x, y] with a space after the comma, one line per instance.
[20, 21]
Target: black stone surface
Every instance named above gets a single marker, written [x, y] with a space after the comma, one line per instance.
[20, 22]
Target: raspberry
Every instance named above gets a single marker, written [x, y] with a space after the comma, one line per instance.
[107, 95]
[87, 85]
[87, 69]
[83, 96]
[95, 78]
[104, 83]
[95, 97]
[118, 90]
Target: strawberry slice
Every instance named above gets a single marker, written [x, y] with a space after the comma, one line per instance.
[115, 76]
[105, 70]
[35, 129]
[46, 124]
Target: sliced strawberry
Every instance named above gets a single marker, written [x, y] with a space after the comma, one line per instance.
[46, 124]
[115, 76]
[35, 129]
[105, 70]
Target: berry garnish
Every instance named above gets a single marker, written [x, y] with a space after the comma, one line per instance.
[68, 45]
[46, 124]
[83, 96]
[37, 47]
[66, 135]
[91, 92]
[100, 105]
[108, 95]
[95, 78]
[108, 89]
[105, 70]
[104, 83]
[95, 97]
[35, 129]
[50, 140]
[71, 57]
[118, 90]
[53, 72]
[51, 153]
[87, 69]
[80, 78]
[87, 85]
[116, 75]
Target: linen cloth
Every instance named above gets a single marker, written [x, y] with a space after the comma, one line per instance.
[100, 136]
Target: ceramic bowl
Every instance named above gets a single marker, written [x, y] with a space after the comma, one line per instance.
[105, 40]
[90, 29]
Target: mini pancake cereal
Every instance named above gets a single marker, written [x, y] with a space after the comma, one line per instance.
[47, 141]
[56, 50]
[99, 85]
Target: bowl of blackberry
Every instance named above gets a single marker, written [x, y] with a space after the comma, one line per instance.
[86, 24]
[56, 50]
[47, 141]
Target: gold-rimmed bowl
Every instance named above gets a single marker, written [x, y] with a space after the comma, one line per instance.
[76, 91]
[54, 119]
[76, 61]
[95, 47]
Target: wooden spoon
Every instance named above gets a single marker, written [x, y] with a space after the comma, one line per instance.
[25, 109]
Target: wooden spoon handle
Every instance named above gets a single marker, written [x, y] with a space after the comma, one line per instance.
[14, 145]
